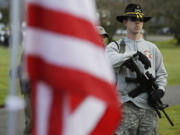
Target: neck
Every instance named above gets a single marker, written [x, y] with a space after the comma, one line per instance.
[134, 36]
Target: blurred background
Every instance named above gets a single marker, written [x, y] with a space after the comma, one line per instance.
[165, 19]
[4, 23]
[165, 15]
[163, 30]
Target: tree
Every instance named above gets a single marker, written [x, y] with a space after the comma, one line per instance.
[5, 13]
[108, 10]
[172, 12]
[168, 9]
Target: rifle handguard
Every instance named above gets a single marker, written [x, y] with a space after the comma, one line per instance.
[131, 80]
[137, 91]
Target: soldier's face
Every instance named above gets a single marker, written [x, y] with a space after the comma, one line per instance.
[133, 25]
[104, 40]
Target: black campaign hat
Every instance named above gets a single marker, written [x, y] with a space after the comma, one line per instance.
[133, 10]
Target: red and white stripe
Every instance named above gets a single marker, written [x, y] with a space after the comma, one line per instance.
[81, 9]
[72, 84]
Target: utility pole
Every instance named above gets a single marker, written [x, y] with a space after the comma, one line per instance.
[13, 102]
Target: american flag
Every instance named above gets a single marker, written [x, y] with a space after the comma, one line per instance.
[72, 84]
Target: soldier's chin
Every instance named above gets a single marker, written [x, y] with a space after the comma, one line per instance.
[136, 32]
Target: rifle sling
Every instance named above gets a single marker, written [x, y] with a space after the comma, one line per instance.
[121, 46]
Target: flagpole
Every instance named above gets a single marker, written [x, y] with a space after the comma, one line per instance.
[13, 103]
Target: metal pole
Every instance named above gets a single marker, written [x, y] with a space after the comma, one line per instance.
[12, 100]
[15, 41]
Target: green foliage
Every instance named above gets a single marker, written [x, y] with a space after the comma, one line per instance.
[108, 10]
[5, 12]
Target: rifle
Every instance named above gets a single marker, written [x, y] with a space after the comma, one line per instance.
[147, 84]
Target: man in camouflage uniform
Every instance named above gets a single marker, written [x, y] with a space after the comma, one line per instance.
[104, 34]
[25, 90]
[139, 117]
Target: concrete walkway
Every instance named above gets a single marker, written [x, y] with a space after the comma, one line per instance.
[172, 97]
[150, 37]
[4, 121]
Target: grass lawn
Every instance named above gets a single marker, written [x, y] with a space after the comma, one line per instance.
[4, 73]
[171, 54]
[164, 126]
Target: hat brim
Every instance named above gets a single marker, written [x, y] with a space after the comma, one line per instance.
[124, 17]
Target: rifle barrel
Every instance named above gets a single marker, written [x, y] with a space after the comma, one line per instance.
[167, 117]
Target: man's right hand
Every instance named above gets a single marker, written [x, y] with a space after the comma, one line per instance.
[143, 59]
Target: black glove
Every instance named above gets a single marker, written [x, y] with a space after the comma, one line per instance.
[143, 59]
[128, 64]
[156, 95]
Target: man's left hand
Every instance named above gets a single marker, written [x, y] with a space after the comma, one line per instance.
[156, 95]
